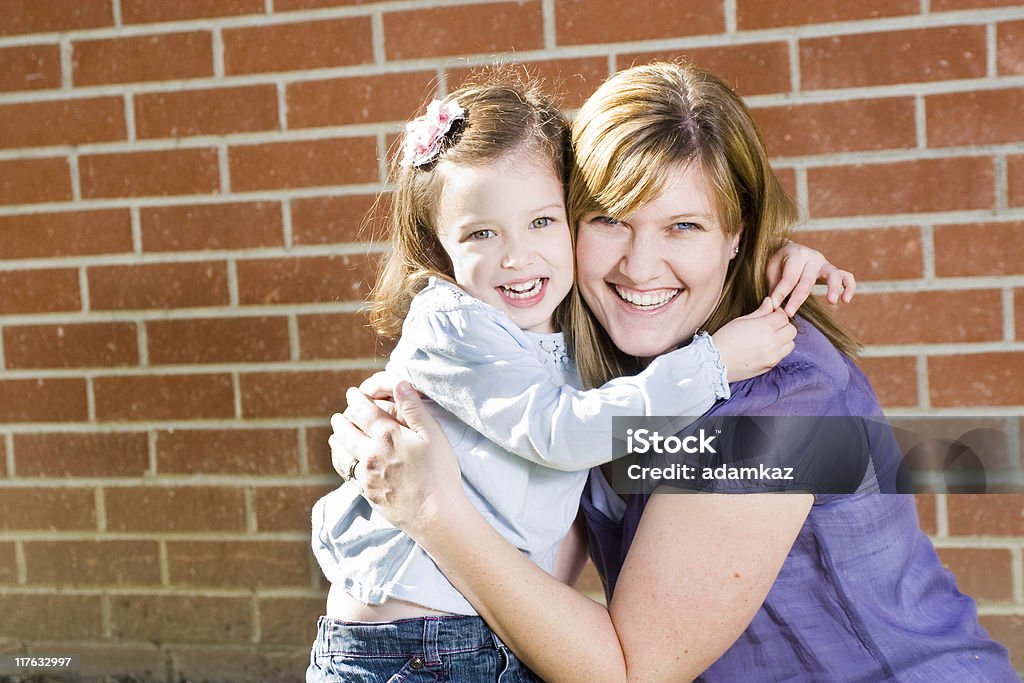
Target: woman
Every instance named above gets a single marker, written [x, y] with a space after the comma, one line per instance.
[677, 204]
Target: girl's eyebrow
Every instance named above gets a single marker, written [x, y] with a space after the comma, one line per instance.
[548, 207]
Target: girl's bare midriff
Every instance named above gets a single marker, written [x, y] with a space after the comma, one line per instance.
[341, 605]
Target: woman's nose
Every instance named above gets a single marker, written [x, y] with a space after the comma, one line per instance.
[643, 260]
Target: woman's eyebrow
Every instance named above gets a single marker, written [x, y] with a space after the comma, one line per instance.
[702, 216]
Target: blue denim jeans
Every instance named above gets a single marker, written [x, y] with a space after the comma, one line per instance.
[457, 649]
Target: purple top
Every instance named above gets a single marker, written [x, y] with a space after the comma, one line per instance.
[862, 595]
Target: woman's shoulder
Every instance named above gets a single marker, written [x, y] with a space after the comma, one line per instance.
[812, 377]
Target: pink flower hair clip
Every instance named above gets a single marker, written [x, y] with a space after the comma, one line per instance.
[423, 135]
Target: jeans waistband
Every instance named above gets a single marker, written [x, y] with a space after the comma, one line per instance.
[426, 637]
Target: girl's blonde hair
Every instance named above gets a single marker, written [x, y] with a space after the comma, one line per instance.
[505, 113]
[628, 138]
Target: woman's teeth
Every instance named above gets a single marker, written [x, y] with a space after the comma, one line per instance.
[522, 290]
[647, 300]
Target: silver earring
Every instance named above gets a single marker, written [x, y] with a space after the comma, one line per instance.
[735, 250]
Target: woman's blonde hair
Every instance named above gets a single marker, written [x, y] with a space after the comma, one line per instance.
[505, 113]
[628, 138]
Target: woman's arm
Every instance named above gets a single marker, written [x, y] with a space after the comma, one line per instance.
[699, 568]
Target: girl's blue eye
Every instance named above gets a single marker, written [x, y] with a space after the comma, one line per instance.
[482, 234]
[542, 222]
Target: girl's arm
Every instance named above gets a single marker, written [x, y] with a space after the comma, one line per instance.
[698, 569]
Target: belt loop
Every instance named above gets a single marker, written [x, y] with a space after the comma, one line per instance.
[431, 655]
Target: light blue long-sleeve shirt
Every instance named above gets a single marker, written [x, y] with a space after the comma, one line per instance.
[492, 383]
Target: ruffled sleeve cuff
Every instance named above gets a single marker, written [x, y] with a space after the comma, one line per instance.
[713, 360]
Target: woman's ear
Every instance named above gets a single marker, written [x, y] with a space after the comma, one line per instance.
[735, 239]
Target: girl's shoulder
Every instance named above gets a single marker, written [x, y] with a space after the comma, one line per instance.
[443, 295]
[443, 310]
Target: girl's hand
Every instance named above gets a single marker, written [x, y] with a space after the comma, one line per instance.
[756, 342]
[793, 270]
[405, 470]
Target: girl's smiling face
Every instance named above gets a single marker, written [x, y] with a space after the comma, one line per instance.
[504, 227]
[652, 279]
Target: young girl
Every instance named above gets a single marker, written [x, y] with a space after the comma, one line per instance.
[481, 263]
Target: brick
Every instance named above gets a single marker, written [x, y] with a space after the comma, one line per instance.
[975, 118]
[1015, 180]
[227, 451]
[163, 57]
[38, 616]
[289, 621]
[29, 181]
[894, 379]
[337, 335]
[889, 57]
[197, 227]
[573, 80]
[70, 233]
[181, 618]
[1008, 630]
[147, 174]
[361, 99]
[145, 662]
[218, 340]
[986, 574]
[287, 5]
[979, 249]
[307, 45]
[310, 163]
[179, 509]
[158, 285]
[318, 452]
[957, 184]
[39, 291]
[297, 394]
[43, 400]
[212, 111]
[872, 253]
[78, 454]
[469, 29]
[62, 122]
[30, 16]
[755, 14]
[976, 379]
[240, 665]
[167, 397]
[77, 563]
[144, 11]
[3, 460]
[1010, 48]
[612, 21]
[787, 177]
[926, 512]
[47, 509]
[286, 508]
[30, 67]
[230, 564]
[1018, 312]
[986, 514]
[329, 220]
[947, 5]
[71, 346]
[936, 317]
[753, 69]
[345, 277]
[8, 564]
[851, 126]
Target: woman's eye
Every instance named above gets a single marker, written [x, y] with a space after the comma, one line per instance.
[685, 227]
[605, 220]
[482, 234]
[542, 222]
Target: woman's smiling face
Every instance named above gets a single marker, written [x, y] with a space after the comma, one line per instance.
[652, 279]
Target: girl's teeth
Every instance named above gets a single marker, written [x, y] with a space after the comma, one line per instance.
[522, 290]
[647, 299]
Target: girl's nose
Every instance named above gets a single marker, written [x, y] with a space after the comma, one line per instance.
[517, 255]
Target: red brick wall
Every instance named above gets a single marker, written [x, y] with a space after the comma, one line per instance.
[181, 192]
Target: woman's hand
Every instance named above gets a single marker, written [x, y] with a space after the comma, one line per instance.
[405, 469]
[794, 269]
